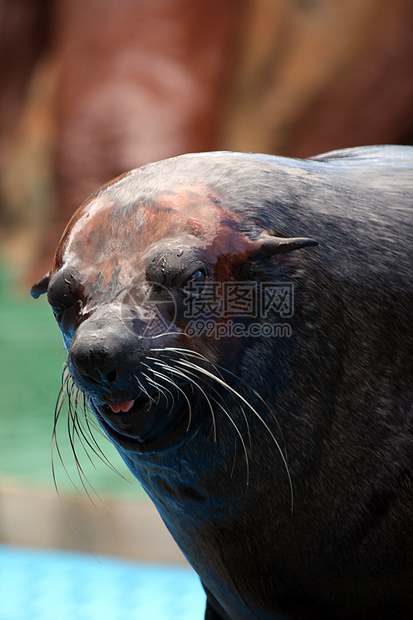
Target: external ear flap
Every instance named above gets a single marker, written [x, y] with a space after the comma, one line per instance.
[41, 286]
[270, 245]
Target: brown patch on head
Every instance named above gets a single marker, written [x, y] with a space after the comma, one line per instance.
[189, 210]
[58, 257]
[104, 240]
[81, 212]
[216, 229]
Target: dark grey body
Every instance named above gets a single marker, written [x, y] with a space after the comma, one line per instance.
[337, 396]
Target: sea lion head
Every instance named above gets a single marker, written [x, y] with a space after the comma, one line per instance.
[218, 426]
[138, 262]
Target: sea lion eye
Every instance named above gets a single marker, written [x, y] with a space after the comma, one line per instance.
[58, 313]
[195, 283]
[66, 315]
[62, 297]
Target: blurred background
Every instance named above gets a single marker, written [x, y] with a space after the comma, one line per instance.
[91, 88]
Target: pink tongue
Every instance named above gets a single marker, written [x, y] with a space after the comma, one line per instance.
[123, 406]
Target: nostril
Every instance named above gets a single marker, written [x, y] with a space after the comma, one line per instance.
[97, 361]
[111, 376]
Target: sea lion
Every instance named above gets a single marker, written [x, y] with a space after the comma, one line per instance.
[280, 461]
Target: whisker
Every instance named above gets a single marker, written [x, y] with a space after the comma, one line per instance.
[71, 428]
[161, 376]
[189, 353]
[196, 384]
[247, 464]
[144, 390]
[175, 371]
[156, 386]
[166, 366]
[216, 367]
[226, 412]
[74, 398]
[255, 412]
[63, 394]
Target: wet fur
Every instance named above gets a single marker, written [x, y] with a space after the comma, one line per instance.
[290, 491]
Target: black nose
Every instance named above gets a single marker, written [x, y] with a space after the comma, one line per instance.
[94, 364]
[104, 354]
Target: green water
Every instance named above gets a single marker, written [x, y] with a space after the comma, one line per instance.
[31, 361]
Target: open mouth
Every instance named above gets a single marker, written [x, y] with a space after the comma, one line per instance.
[147, 422]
